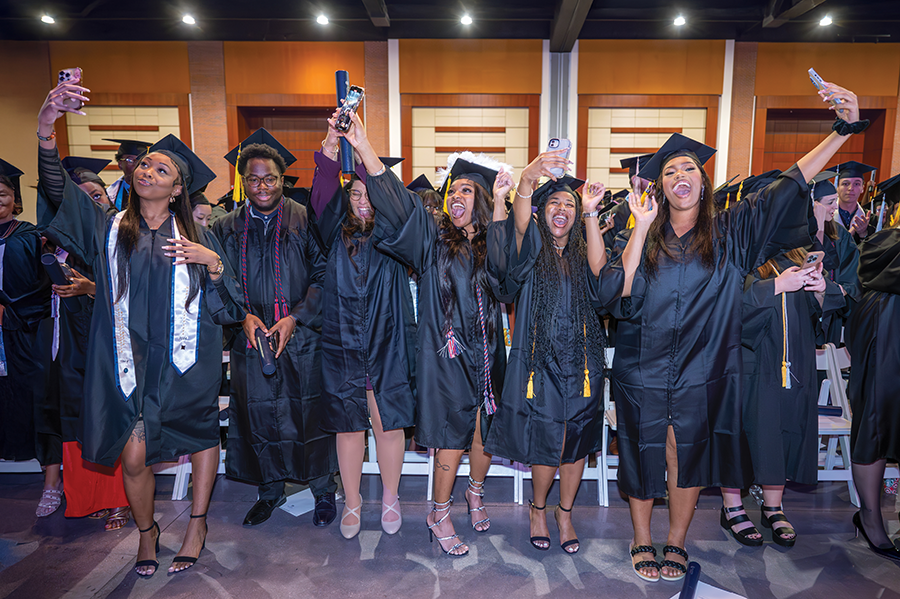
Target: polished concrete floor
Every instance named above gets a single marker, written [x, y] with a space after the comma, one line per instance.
[288, 557]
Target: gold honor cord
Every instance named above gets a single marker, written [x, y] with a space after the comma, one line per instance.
[785, 364]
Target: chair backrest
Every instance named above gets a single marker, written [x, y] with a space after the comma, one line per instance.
[610, 354]
[835, 358]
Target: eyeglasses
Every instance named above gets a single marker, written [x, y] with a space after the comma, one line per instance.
[269, 180]
[357, 195]
[128, 160]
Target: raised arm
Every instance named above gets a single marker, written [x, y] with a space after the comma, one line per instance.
[503, 183]
[816, 160]
[596, 246]
[643, 218]
[528, 182]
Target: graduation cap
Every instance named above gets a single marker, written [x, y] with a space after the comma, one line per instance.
[387, 161]
[620, 196]
[13, 174]
[130, 146]
[890, 189]
[290, 180]
[199, 199]
[849, 170]
[821, 186]
[419, 183]
[480, 169]
[731, 191]
[565, 183]
[261, 136]
[194, 173]
[676, 145]
[72, 164]
[634, 163]
[298, 194]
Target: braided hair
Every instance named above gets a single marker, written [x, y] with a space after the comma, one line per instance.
[586, 336]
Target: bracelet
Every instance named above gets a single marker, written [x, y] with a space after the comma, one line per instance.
[333, 154]
[593, 214]
[524, 197]
[218, 269]
[53, 135]
[90, 295]
[843, 128]
[380, 172]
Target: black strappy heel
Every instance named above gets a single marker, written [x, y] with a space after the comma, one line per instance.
[536, 540]
[149, 562]
[186, 559]
[565, 546]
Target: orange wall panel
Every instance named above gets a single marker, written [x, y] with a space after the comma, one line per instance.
[429, 66]
[291, 67]
[126, 67]
[651, 66]
[867, 69]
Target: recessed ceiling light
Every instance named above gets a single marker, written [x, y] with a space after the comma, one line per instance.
[322, 20]
[825, 22]
[189, 20]
[48, 19]
[679, 21]
[466, 20]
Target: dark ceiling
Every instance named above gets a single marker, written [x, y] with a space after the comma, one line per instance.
[561, 21]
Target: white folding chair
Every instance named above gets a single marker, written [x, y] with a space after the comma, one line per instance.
[835, 429]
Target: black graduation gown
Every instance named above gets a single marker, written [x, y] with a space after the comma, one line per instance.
[678, 351]
[872, 338]
[558, 424]
[450, 391]
[273, 431]
[180, 411]
[368, 330]
[25, 297]
[782, 424]
[841, 263]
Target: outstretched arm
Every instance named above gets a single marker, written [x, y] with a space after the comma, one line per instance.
[596, 247]
[643, 218]
[816, 160]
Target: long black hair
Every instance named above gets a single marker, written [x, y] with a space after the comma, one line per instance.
[354, 227]
[586, 335]
[455, 245]
[129, 232]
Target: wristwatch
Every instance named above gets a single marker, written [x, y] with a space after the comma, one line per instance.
[218, 269]
[590, 214]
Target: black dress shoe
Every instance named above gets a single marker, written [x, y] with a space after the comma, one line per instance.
[325, 511]
[262, 510]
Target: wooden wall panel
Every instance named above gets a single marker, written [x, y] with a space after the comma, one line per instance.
[650, 66]
[291, 67]
[867, 69]
[431, 66]
[125, 66]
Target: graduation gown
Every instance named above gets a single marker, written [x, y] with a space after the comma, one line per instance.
[25, 297]
[872, 338]
[450, 391]
[273, 431]
[678, 349]
[368, 330]
[782, 424]
[841, 263]
[559, 424]
[180, 411]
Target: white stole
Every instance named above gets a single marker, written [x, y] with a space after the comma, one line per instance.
[184, 324]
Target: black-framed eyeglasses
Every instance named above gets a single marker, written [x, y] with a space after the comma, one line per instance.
[269, 180]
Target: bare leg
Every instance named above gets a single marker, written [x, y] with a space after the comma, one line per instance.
[446, 463]
[204, 465]
[569, 481]
[732, 498]
[51, 476]
[479, 463]
[541, 481]
[681, 505]
[641, 512]
[140, 486]
[351, 448]
[390, 459]
[772, 495]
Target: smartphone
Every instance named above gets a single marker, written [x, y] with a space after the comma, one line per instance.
[559, 144]
[351, 103]
[820, 84]
[813, 259]
[67, 270]
[73, 75]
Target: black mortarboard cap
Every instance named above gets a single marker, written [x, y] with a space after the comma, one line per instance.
[675, 145]
[199, 199]
[890, 189]
[130, 146]
[821, 186]
[849, 170]
[194, 172]
[419, 183]
[298, 194]
[463, 169]
[620, 195]
[94, 165]
[261, 136]
[389, 162]
[291, 180]
[14, 174]
[635, 163]
[564, 183]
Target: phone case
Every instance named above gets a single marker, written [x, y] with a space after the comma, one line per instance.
[68, 75]
[561, 144]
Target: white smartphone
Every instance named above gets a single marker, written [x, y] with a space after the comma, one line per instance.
[820, 84]
[558, 143]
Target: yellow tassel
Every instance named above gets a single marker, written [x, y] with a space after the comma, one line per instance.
[896, 217]
[446, 194]
[587, 383]
[238, 194]
[727, 200]
[507, 339]
[630, 223]
[784, 374]
[740, 189]
[529, 392]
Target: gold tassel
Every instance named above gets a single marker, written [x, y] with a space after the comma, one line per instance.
[727, 200]
[784, 374]
[238, 194]
[587, 383]
[529, 392]
[740, 189]
[630, 223]
[896, 217]
[507, 338]
[446, 194]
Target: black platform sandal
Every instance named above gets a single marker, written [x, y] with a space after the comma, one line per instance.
[647, 563]
[149, 562]
[565, 546]
[778, 531]
[187, 559]
[536, 540]
[667, 563]
[741, 536]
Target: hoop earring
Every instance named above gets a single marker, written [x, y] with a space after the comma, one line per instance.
[172, 199]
